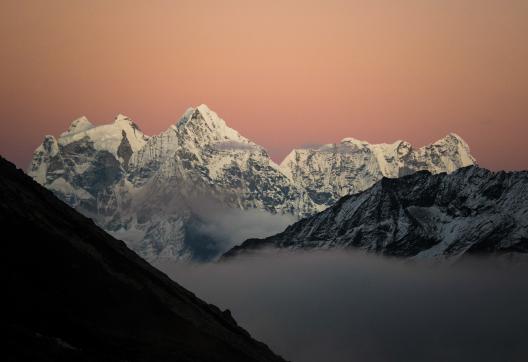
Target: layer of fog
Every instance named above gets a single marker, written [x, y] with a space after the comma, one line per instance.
[339, 306]
[234, 226]
[219, 228]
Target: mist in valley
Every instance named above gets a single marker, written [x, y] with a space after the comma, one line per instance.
[344, 306]
[229, 226]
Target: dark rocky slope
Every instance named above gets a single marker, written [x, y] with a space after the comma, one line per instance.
[444, 216]
[72, 292]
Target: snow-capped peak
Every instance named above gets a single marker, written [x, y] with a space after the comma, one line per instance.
[79, 125]
[353, 141]
[202, 113]
[121, 119]
[201, 123]
[50, 145]
[334, 170]
[106, 137]
[453, 143]
[450, 138]
[205, 109]
[201, 156]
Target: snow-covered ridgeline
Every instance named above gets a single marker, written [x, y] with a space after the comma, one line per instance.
[471, 211]
[335, 170]
[145, 190]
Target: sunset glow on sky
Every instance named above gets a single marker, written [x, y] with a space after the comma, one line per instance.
[283, 73]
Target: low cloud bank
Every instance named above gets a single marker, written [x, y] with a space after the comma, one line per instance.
[232, 226]
[342, 306]
[227, 227]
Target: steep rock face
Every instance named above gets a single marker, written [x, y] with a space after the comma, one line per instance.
[74, 293]
[145, 190]
[198, 161]
[207, 157]
[151, 191]
[443, 216]
[332, 171]
[85, 163]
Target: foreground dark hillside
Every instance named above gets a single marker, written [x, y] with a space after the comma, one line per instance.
[72, 292]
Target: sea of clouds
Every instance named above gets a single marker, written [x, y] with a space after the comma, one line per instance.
[344, 306]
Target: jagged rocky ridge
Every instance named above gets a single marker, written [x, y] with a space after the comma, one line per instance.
[74, 293]
[444, 216]
[332, 171]
[145, 190]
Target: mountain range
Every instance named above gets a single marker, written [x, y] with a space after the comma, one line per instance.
[471, 211]
[74, 293]
[150, 191]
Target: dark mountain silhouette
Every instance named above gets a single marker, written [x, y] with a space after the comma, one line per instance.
[72, 292]
[471, 211]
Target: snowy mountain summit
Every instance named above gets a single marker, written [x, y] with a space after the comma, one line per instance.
[177, 194]
[332, 171]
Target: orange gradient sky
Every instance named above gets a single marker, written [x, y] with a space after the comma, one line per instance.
[283, 73]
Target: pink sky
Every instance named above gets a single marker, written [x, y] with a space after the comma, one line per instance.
[283, 73]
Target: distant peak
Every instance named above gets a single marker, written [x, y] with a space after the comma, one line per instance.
[123, 119]
[50, 145]
[203, 108]
[203, 113]
[81, 119]
[451, 137]
[195, 112]
[353, 141]
[206, 113]
[49, 139]
[202, 121]
[80, 124]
